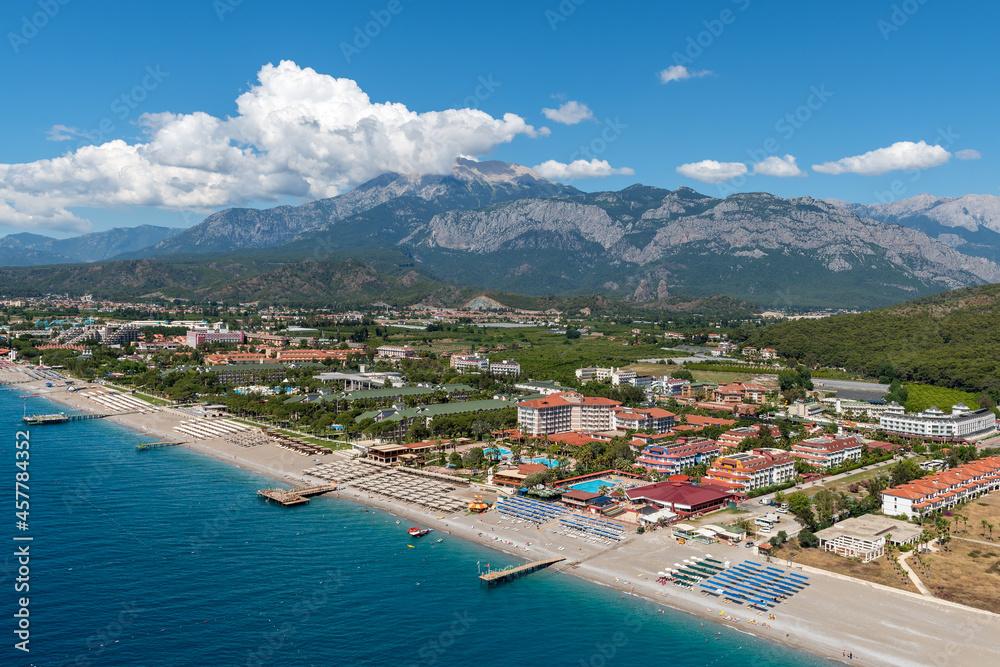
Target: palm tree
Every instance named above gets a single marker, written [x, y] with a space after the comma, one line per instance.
[990, 526]
[983, 522]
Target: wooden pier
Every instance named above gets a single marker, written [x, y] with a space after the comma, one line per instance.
[500, 576]
[61, 418]
[290, 497]
[143, 446]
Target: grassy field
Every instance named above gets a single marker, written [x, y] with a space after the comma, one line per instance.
[653, 369]
[878, 571]
[922, 396]
[720, 377]
[970, 572]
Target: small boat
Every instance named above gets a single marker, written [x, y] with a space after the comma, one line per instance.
[411, 546]
[417, 531]
[397, 522]
[440, 539]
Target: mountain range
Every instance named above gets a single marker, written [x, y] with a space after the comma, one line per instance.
[34, 249]
[498, 226]
[969, 222]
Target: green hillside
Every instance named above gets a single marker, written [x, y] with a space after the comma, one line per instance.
[950, 340]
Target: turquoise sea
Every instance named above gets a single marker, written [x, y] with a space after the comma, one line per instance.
[167, 557]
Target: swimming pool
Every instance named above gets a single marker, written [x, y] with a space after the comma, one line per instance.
[505, 453]
[594, 485]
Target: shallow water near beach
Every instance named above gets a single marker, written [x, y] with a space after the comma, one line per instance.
[167, 557]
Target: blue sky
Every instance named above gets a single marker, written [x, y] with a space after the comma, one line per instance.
[127, 113]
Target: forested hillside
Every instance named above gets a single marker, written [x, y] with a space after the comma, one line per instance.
[950, 339]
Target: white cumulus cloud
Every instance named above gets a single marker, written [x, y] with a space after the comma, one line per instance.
[569, 113]
[782, 167]
[680, 72]
[968, 154]
[560, 171]
[710, 171]
[296, 134]
[900, 155]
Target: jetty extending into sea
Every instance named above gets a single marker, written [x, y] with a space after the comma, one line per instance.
[498, 577]
[290, 497]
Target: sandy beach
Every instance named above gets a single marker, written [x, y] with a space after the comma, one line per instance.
[834, 615]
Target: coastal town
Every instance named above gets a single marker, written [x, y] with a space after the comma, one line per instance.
[692, 470]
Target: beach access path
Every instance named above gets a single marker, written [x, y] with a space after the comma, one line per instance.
[834, 614]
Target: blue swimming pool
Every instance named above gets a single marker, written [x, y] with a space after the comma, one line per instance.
[505, 453]
[594, 485]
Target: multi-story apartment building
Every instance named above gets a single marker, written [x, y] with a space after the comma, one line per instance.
[674, 457]
[935, 423]
[196, 336]
[828, 452]
[732, 438]
[507, 367]
[395, 352]
[469, 363]
[739, 392]
[566, 411]
[747, 471]
[641, 419]
[942, 490]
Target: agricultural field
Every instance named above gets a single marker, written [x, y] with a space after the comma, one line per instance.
[721, 377]
[969, 573]
[922, 396]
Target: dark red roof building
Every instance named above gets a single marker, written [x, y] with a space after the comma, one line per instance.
[682, 498]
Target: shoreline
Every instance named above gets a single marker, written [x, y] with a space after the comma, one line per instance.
[831, 614]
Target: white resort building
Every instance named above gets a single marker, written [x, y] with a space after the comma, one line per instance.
[935, 423]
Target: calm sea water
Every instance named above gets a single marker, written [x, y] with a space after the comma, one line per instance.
[167, 558]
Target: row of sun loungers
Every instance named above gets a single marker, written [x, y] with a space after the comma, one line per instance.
[425, 492]
[573, 525]
[756, 585]
[528, 509]
[297, 446]
[113, 401]
[204, 429]
[342, 472]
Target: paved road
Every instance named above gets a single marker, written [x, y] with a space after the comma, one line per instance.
[846, 384]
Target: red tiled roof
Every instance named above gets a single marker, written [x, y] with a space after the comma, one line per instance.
[677, 493]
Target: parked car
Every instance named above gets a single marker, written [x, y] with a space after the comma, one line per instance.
[749, 544]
